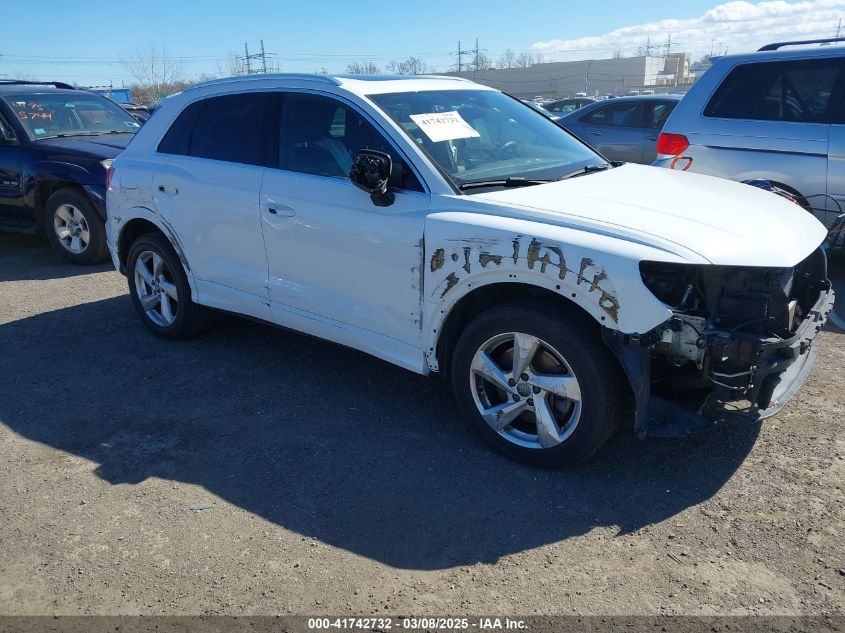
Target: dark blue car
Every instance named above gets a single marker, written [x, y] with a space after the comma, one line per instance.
[56, 144]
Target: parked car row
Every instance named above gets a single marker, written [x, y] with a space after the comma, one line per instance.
[443, 226]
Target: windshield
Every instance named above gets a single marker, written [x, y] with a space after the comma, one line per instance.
[63, 114]
[484, 135]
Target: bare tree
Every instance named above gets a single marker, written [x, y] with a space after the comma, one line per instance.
[233, 66]
[528, 58]
[507, 60]
[363, 69]
[409, 66]
[156, 71]
[482, 62]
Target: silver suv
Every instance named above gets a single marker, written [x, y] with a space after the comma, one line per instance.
[775, 114]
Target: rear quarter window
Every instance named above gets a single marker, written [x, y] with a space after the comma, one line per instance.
[804, 91]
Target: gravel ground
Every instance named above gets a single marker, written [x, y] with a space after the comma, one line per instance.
[256, 471]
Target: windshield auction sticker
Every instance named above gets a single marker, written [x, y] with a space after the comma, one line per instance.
[444, 126]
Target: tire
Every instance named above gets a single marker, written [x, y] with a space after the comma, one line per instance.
[571, 376]
[74, 228]
[160, 291]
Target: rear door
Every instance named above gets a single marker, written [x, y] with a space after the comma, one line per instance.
[616, 130]
[208, 190]
[657, 112]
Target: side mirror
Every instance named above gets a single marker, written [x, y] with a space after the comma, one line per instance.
[371, 172]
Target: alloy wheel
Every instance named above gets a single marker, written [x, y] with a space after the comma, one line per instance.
[156, 288]
[525, 390]
[71, 228]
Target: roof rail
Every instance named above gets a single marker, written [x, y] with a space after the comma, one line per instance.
[776, 45]
[22, 82]
[324, 79]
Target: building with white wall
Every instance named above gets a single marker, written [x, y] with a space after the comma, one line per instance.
[617, 76]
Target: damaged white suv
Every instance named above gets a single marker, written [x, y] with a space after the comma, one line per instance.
[448, 228]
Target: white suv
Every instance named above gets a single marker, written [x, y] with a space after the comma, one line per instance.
[448, 228]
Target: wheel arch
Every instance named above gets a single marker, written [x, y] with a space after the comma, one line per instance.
[44, 189]
[138, 222]
[484, 297]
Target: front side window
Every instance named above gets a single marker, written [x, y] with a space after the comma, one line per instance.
[625, 114]
[6, 132]
[233, 128]
[778, 91]
[81, 113]
[321, 136]
[475, 136]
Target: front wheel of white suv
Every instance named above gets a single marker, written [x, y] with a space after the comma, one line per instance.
[538, 383]
[160, 291]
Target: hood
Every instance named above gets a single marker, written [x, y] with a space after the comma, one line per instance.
[105, 146]
[724, 222]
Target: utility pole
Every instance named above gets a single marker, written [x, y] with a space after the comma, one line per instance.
[263, 59]
[839, 27]
[249, 58]
[461, 53]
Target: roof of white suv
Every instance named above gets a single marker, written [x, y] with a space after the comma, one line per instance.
[357, 84]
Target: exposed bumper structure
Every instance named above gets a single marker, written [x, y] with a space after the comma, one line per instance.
[769, 372]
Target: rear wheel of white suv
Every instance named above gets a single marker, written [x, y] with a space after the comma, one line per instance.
[160, 291]
[538, 384]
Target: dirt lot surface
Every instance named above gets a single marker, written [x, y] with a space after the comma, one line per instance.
[258, 471]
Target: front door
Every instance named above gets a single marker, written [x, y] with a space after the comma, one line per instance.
[616, 130]
[331, 251]
[12, 210]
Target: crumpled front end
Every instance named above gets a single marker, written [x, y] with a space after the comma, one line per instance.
[739, 342]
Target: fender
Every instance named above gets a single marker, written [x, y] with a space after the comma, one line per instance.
[90, 181]
[598, 273]
[118, 222]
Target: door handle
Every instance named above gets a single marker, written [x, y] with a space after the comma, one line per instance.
[595, 132]
[279, 210]
[170, 190]
[651, 138]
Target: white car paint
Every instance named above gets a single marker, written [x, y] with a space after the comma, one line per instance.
[383, 279]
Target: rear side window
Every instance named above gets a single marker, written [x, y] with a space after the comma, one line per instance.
[803, 91]
[231, 128]
[626, 114]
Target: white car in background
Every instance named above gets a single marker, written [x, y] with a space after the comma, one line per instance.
[447, 228]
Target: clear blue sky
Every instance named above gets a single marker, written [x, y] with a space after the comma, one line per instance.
[85, 41]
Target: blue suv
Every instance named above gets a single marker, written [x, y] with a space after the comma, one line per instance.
[56, 146]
